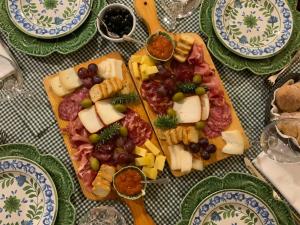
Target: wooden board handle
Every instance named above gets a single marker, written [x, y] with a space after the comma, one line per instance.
[139, 213]
[146, 10]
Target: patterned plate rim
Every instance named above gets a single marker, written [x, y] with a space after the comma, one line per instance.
[244, 55]
[238, 190]
[46, 174]
[88, 2]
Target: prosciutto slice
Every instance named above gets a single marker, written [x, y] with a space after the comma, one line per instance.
[197, 55]
[77, 133]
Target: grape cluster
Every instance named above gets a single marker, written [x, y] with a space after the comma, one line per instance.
[118, 20]
[89, 76]
[203, 148]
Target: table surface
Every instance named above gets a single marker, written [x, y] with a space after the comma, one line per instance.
[247, 92]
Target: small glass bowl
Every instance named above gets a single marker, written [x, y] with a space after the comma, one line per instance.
[133, 197]
[168, 36]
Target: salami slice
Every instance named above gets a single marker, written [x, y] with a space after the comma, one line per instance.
[157, 103]
[138, 129]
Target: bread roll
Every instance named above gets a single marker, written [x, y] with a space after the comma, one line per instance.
[288, 98]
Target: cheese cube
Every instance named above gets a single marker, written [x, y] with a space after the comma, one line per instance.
[136, 71]
[150, 172]
[150, 159]
[140, 151]
[69, 79]
[160, 162]
[95, 93]
[90, 120]
[136, 58]
[107, 113]
[147, 60]
[234, 142]
[142, 161]
[57, 87]
[188, 110]
[151, 147]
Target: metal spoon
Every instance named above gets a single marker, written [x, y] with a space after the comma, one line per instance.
[127, 38]
[110, 34]
[158, 181]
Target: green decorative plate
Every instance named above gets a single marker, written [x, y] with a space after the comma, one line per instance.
[58, 172]
[39, 47]
[212, 189]
[235, 62]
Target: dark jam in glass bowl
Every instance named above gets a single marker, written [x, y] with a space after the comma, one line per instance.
[118, 20]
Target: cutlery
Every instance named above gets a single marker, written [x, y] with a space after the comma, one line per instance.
[158, 181]
[272, 79]
[252, 169]
[130, 39]
[3, 137]
[110, 34]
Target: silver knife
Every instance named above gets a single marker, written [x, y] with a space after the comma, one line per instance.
[252, 169]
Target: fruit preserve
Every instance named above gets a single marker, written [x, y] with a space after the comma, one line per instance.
[128, 182]
[160, 47]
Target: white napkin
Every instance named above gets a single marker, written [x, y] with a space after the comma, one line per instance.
[6, 69]
[284, 176]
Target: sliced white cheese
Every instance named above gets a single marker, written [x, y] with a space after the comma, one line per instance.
[107, 112]
[118, 69]
[186, 159]
[188, 110]
[90, 120]
[234, 142]
[111, 68]
[57, 87]
[204, 107]
[197, 164]
[173, 158]
[177, 150]
[69, 79]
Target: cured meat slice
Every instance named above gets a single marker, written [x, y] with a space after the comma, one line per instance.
[77, 133]
[182, 71]
[197, 56]
[70, 105]
[138, 129]
[157, 103]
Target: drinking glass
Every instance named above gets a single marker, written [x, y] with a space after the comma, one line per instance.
[278, 146]
[173, 9]
[103, 215]
[189, 6]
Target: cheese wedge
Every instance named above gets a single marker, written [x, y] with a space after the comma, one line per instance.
[147, 60]
[136, 58]
[140, 151]
[90, 120]
[186, 159]
[188, 110]
[150, 159]
[197, 164]
[160, 162]
[69, 79]
[107, 113]
[58, 88]
[204, 107]
[178, 149]
[150, 172]
[234, 142]
[151, 147]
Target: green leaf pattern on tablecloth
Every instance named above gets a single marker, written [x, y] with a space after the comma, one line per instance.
[6, 180]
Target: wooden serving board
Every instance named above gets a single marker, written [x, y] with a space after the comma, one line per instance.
[137, 207]
[147, 11]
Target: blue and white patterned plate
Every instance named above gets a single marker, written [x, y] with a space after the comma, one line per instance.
[27, 193]
[48, 18]
[253, 29]
[233, 207]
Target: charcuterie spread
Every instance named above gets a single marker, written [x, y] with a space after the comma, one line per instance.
[188, 106]
[103, 123]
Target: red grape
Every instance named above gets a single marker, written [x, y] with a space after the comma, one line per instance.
[92, 69]
[203, 142]
[129, 146]
[97, 79]
[194, 147]
[83, 73]
[125, 158]
[163, 72]
[162, 91]
[102, 157]
[205, 155]
[211, 148]
[87, 82]
[105, 148]
[170, 86]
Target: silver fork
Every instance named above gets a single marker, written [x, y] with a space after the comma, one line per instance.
[272, 79]
[3, 137]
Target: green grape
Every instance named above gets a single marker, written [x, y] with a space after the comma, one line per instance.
[171, 112]
[123, 131]
[200, 125]
[197, 79]
[94, 164]
[179, 96]
[94, 138]
[120, 107]
[200, 91]
[86, 103]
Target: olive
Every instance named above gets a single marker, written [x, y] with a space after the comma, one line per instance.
[123, 131]
[120, 107]
[86, 103]
[211, 148]
[205, 155]
[94, 164]
[200, 125]
[197, 79]
[94, 138]
[200, 91]
[171, 112]
[179, 96]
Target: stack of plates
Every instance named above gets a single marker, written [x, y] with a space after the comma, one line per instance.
[42, 27]
[259, 35]
[35, 189]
